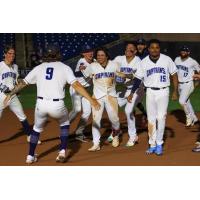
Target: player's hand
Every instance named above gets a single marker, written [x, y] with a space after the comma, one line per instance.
[120, 74]
[174, 96]
[95, 104]
[6, 100]
[82, 67]
[130, 97]
[196, 76]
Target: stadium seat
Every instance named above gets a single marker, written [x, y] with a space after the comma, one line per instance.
[71, 43]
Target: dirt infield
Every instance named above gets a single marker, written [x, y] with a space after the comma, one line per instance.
[177, 149]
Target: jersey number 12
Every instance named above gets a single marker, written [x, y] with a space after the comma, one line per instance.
[49, 73]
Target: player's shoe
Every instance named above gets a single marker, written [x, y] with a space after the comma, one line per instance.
[31, 159]
[61, 158]
[81, 138]
[188, 121]
[95, 147]
[132, 142]
[29, 139]
[115, 142]
[151, 150]
[159, 150]
[110, 138]
[197, 148]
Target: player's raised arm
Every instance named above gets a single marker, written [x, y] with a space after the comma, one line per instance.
[79, 88]
[82, 91]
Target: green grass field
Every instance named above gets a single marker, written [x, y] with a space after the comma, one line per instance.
[28, 99]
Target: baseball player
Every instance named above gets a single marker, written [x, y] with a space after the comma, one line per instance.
[186, 67]
[79, 102]
[51, 77]
[142, 51]
[103, 72]
[155, 71]
[8, 79]
[128, 66]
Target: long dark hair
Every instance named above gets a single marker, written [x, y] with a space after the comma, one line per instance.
[105, 50]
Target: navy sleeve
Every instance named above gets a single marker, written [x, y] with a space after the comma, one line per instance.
[136, 84]
[78, 74]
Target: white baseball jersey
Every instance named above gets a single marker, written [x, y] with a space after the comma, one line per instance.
[51, 79]
[82, 80]
[156, 74]
[8, 75]
[186, 68]
[127, 68]
[103, 78]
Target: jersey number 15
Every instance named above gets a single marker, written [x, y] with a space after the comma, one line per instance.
[49, 73]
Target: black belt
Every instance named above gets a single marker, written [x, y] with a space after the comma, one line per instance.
[184, 82]
[52, 99]
[155, 88]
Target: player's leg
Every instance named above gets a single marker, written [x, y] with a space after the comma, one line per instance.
[111, 105]
[193, 115]
[40, 120]
[122, 101]
[86, 112]
[162, 101]
[64, 132]
[185, 91]
[131, 121]
[96, 125]
[151, 116]
[76, 104]
[16, 107]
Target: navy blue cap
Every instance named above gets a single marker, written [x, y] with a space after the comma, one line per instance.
[141, 41]
[185, 48]
[86, 48]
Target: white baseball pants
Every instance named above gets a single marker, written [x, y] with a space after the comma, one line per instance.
[79, 103]
[54, 109]
[156, 103]
[14, 105]
[185, 90]
[111, 105]
[129, 107]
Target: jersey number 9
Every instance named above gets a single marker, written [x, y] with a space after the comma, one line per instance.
[49, 73]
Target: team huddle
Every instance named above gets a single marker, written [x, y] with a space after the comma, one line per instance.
[140, 71]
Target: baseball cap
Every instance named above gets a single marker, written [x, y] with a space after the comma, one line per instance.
[141, 41]
[86, 48]
[185, 48]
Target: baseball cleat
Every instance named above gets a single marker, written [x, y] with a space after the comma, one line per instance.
[159, 150]
[188, 121]
[110, 138]
[29, 139]
[151, 150]
[131, 142]
[197, 148]
[61, 158]
[115, 142]
[31, 159]
[94, 148]
[81, 138]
